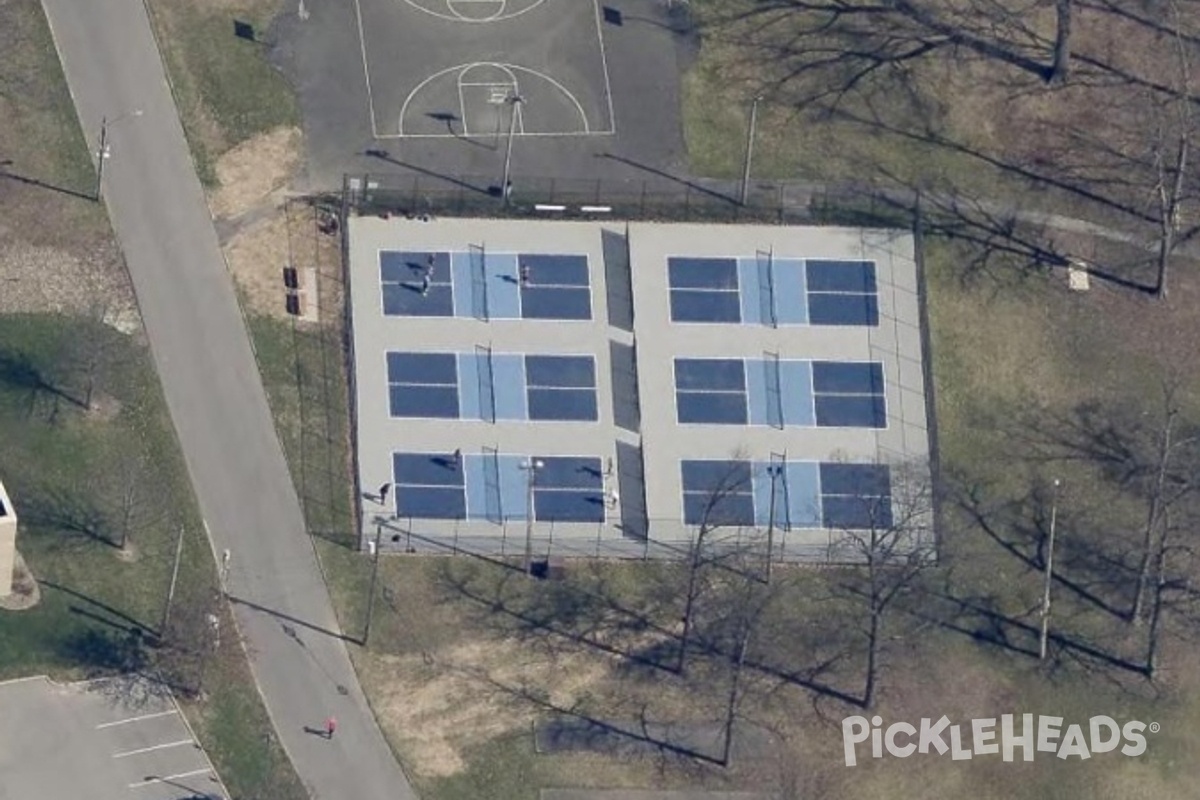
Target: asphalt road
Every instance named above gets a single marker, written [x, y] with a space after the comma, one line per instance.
[217, 402]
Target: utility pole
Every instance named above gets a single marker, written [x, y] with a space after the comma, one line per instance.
[1049, 574]
[374, 578]
[514, 101]
[103, 151]
[749, 149]
[531, 467]
[100, 156]
[166, 617]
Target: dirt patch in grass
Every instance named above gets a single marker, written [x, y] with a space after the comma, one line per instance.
[440, 706]
[251, 174]
[57, 253]
[227, 90]
[53, 279]
[25, 591]
[257, 256]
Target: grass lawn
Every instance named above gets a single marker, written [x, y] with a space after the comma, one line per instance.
[465, 656]
[948, 119]
[45, 172]
[226, 89]
[70, 472]
[75, 469]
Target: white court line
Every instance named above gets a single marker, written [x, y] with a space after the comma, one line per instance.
[511, 70]
[541, 134]
[163, 779]
[454, 16]
[362, 46]
[137, 719]
[462, 107]
[153, 748]
[612, 116]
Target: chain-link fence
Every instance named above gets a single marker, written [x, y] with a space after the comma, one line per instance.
[668, 540]
[663, 199]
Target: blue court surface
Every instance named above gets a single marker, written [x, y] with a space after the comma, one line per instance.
[489, 386]
[780, 393]
[494, 486]
[483, 285]
[770, 290]
[791, 494]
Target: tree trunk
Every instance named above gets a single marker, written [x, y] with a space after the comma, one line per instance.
[1156, 610]
[1061, 66]
[731, 710]
[1169, 214]
[689, 605]
[872, 659]
[1152, 518]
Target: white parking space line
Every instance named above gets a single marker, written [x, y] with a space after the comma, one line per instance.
[136, 719]
[165, 778]
[155, 747]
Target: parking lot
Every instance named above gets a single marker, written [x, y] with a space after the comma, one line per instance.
[110, 739]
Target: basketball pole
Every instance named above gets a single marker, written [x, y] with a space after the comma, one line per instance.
[514, 100]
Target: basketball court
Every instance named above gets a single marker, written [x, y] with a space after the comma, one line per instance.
[485, 69]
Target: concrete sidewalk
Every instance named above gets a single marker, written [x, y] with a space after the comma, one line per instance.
[216, 399]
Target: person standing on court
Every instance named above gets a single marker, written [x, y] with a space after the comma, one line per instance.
[330, 727]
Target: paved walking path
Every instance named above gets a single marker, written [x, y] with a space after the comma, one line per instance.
[216, 399]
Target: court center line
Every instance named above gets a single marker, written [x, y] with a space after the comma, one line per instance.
[153, 748]
[136, 719]
[166, 778]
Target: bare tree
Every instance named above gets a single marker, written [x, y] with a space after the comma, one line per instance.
[84, 358]
[135, 504]
[717, 513]
[1175, 460]
[190, 641]
[889, 544]
[1064, 11]
[1171, 149]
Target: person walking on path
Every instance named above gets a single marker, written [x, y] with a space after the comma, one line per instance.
[330, 727]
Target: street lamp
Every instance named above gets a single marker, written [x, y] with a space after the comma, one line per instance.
[531, 467]
[102, 153]
[1049, 574]
[514, 101]
[749, 149]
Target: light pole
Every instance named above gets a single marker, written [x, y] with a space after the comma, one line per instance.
[102, 153]
[531, 467]
[1049, 574]
[749, 149]
[166, 617]
[374, 577]
[514, 100]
